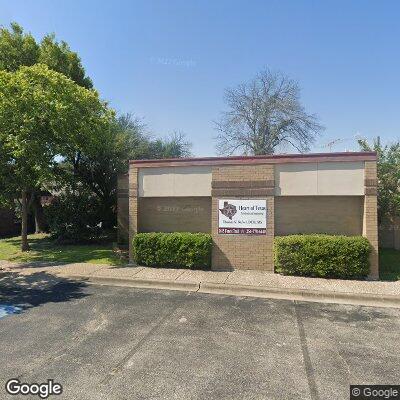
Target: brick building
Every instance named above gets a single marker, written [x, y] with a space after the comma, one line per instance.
[333, 193]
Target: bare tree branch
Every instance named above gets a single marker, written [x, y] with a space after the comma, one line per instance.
[263, 115]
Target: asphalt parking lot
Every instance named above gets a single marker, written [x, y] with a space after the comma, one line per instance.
[121, 343]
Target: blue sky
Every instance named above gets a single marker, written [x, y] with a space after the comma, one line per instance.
[169, 62]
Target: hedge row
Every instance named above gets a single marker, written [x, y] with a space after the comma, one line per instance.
[322, 256]
[186, 250]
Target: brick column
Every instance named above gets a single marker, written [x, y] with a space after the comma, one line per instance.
[243, 251]
[123, 209]
[370, 220]
[133, 206]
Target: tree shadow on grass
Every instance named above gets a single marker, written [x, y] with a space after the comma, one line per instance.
[37, 288]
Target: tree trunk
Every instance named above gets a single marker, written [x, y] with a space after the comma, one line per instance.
[40, 220]
[24, 222]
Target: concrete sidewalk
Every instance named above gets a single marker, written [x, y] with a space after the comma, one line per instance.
[238, 283]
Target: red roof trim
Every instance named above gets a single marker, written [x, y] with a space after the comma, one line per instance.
[268, 159]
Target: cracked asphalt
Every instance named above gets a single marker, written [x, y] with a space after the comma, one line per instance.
[121, 343]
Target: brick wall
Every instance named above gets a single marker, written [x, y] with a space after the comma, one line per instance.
[123, 209]
[370, 217]
[243, 251]
[350, 215]
[175, 214]
[335, 215]
[133, 205]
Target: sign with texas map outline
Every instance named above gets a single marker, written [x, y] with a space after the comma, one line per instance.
[243, 217]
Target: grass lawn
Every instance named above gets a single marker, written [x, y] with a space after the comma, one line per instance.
[43, 249]
[389, 264]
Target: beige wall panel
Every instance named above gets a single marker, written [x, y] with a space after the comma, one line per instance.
[296, 179]
[175, 181]
[341, 178]
[156, 182]
[192, 181]
[175, 214]
[320, 179]
[339, 215]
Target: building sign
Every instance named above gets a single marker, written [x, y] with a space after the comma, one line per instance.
[246, 217]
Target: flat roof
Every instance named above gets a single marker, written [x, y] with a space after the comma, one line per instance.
[252, 160]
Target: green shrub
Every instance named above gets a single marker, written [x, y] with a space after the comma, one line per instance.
[187, 250]
[75, 217]
[322, 256]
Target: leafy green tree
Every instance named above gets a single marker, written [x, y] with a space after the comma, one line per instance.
[17, 48]
[92, 163]
[174, 146]
[43, 115]
[59, 57]
[98, 170]
[140, 145]
[388, 177]
[21, 49]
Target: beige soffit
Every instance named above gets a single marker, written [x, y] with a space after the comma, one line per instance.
[324, 179]
[175, 181]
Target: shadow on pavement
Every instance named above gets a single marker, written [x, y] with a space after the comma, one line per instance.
[37, 288]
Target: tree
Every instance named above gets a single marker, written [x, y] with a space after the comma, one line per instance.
[263, 115]
[388, 166]
[17, 48]
[43, 115]
[174, 146]
[21, 49]
[59, 57]
[98, 169]
[94, 166]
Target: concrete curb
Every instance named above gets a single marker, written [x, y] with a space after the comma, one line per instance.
[363, 299]
[138, 283]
